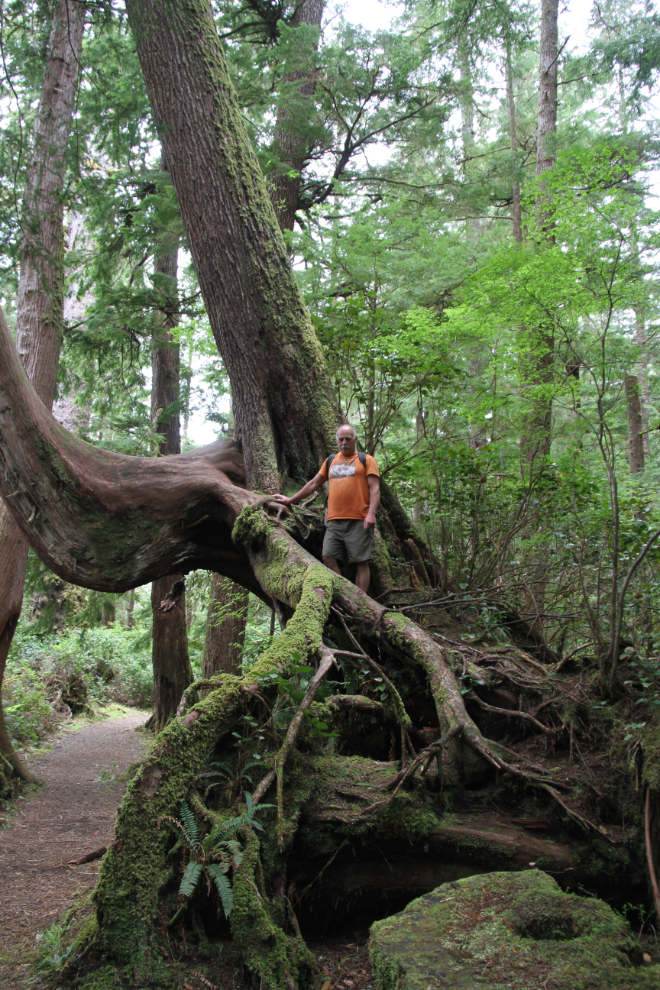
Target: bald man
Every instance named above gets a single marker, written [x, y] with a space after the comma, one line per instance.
[353, 497]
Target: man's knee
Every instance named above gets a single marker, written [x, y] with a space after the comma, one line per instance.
[331, 562]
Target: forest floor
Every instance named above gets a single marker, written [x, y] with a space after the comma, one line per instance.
[72, 814]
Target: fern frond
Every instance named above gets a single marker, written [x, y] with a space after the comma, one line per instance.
[223, 887]
[223, 768]
[189, 822]
[231, 825]
[190, 879]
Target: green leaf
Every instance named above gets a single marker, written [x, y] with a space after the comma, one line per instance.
[223, 887]
[189, 823]
[190, 879]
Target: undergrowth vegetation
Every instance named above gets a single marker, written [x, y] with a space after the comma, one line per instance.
[54, 678]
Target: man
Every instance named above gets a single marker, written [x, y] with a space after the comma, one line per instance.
[353, 497]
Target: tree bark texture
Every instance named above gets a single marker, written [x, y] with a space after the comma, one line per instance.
[516, 211]
[225, 627]
[295, 108]
[537, 364]
[546, 136]
[643, 376]
[635, 424]
[284, 408]
[171, 662]
[165, 362]
[169, 645]
[109, 521]
[39, 313]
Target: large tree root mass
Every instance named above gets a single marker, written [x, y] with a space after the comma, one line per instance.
[334, 767]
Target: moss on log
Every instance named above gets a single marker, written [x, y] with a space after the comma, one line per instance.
[519, 928]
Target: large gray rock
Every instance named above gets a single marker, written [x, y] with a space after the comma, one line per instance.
[507, 931]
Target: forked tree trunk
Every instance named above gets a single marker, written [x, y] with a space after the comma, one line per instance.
[39, 312]
[290, 144]
[169, 646]
[225, 627]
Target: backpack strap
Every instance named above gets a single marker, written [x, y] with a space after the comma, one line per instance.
[362, 457]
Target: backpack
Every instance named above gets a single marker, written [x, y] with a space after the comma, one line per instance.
[362, 457]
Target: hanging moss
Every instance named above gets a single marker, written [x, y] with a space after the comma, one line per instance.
[126, 896]
[277, 960]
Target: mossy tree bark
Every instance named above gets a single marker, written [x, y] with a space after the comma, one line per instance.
[39, 311]
[284, 409]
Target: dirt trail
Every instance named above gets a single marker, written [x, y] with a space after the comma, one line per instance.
[71, 815]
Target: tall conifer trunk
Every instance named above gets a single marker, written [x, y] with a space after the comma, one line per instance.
[169, 648]
[516, 210]
[289, 142]
[537, 363]
[225, 627]
[39, 314]
[284, 408]
[635, 424]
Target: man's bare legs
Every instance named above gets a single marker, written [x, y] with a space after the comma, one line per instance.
[362, 575]
[332, 564]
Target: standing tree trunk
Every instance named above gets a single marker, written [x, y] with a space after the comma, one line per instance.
[169, 648]
[39, 314]
[284, 408]
[290, 143]
[225, 627]
[537, 363]
[635, 424]
[282, 397]
[516, 211]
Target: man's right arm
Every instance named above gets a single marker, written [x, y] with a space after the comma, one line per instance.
[312, 486]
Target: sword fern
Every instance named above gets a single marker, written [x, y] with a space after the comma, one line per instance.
[214, 855]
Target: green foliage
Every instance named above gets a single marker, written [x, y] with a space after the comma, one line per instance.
[53, 954]
[214, 855]
[49, 677]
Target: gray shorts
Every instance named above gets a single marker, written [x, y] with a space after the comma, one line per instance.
[347, 540]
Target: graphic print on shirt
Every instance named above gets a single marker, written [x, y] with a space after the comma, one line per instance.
[342, 470]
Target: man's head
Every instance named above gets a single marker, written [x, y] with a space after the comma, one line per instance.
[347, 440]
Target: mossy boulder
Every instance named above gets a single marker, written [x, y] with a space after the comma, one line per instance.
[504, 931]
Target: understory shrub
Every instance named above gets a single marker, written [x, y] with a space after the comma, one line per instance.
[50, 678]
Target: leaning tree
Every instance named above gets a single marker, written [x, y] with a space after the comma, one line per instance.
[341, 766]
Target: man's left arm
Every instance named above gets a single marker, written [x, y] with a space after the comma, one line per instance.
[374, 500]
